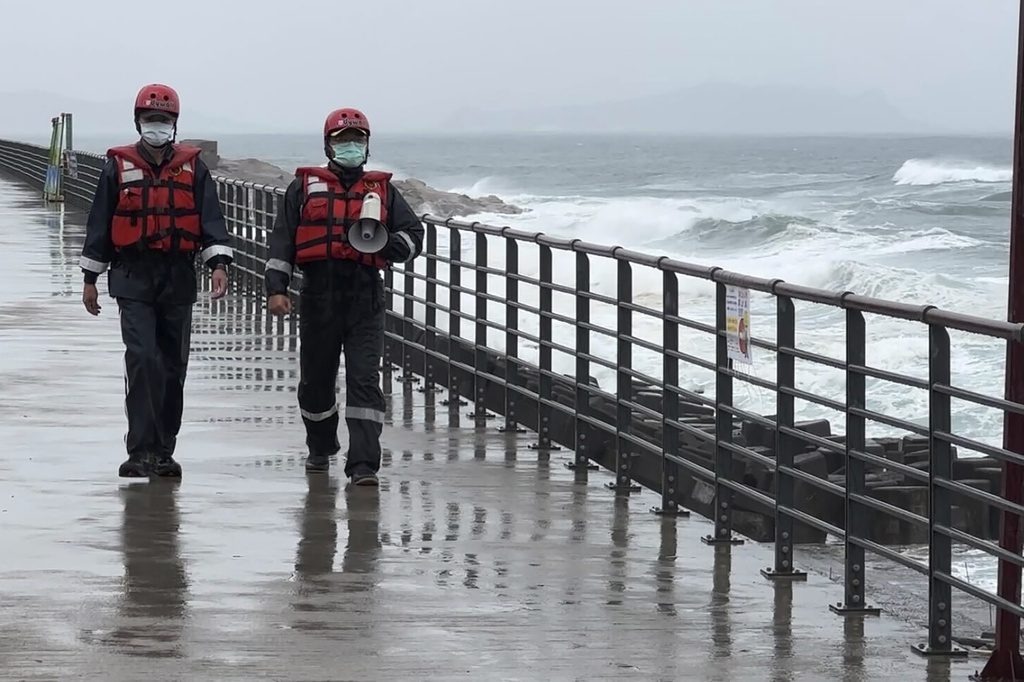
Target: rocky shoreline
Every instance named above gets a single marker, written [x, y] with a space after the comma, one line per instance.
[422, 198]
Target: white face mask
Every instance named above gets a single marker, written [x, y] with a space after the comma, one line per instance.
[157, 134]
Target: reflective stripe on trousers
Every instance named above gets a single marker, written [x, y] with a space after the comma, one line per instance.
[319, 416]
[367, 413]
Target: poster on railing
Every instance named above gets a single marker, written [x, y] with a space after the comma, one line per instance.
[737, 324]
[70, 164]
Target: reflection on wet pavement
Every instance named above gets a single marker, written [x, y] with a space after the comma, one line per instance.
[474, 560]
[151, 609]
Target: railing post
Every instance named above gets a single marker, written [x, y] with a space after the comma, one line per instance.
[408, 320]
[624, 383]
[68, 137]
[940, 469]
[274, 206]
[581, 461]
[670, 400]
[511, 336]
[249, 230]
[544, 380]
[723, 429]
[480, 355]
[855, 572]
[388, 362]
[257, 246]
[454, 322]
[430, 316]
[785, 448]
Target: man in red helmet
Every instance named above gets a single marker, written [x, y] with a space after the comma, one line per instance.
[342, 297]
[154, 210]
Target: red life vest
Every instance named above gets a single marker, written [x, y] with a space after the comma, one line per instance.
[328, 210]
[156, 211]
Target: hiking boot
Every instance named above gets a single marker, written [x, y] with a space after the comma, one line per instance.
[136, 466]
[317, 463]
[365, 478]
[166, 467]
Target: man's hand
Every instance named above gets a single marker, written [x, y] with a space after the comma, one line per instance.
[280, 304]
[91, 299]
[219, 285]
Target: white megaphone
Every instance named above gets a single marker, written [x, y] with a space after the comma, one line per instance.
[368, 234]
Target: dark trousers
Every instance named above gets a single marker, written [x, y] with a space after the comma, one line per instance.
[331, 323]
[156, 338]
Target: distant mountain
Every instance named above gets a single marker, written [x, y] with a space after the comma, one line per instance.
[712, 108]
[29, 113]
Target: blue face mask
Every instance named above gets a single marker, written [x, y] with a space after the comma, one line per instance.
[349, 154]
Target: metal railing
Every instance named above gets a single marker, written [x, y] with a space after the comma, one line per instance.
[768, 476]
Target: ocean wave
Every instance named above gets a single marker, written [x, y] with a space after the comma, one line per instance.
[486, 186]
[952, 208]
[637, 222]
[763, 234]
[932, 239]
[758, 228]
[935, 172]
[907, 285]
[999, 196]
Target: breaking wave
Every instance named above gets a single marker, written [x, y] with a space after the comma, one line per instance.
[933, 172]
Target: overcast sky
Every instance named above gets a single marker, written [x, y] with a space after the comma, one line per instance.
[283, 65]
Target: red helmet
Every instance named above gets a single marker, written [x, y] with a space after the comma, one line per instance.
[157, 97]
[340, 119]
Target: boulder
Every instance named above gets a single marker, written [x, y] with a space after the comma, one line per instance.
[422, 198]
[425, 199]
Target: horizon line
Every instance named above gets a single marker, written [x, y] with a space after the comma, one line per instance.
[435, 132]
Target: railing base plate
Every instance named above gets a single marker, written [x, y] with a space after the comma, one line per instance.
[449, 402]
[854, 610]
[573, 466]
[472, 415]
[731, 540]
[544, 448]
[623, 488]
[514, 429]
[662, 511]
[788, 576]
[953, 652]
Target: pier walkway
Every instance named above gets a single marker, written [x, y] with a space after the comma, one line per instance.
[478, 558]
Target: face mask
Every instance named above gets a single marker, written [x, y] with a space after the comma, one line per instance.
[349, 154]
[157, 134]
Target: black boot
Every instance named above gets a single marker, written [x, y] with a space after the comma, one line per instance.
[136, 466]
[317, 464]
[364, 475]
[166, 467]
[365, 478]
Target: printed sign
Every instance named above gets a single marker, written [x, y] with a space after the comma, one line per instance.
[737, 324]
[70, 164]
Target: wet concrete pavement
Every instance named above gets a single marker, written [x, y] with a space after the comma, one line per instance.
[474, 560]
